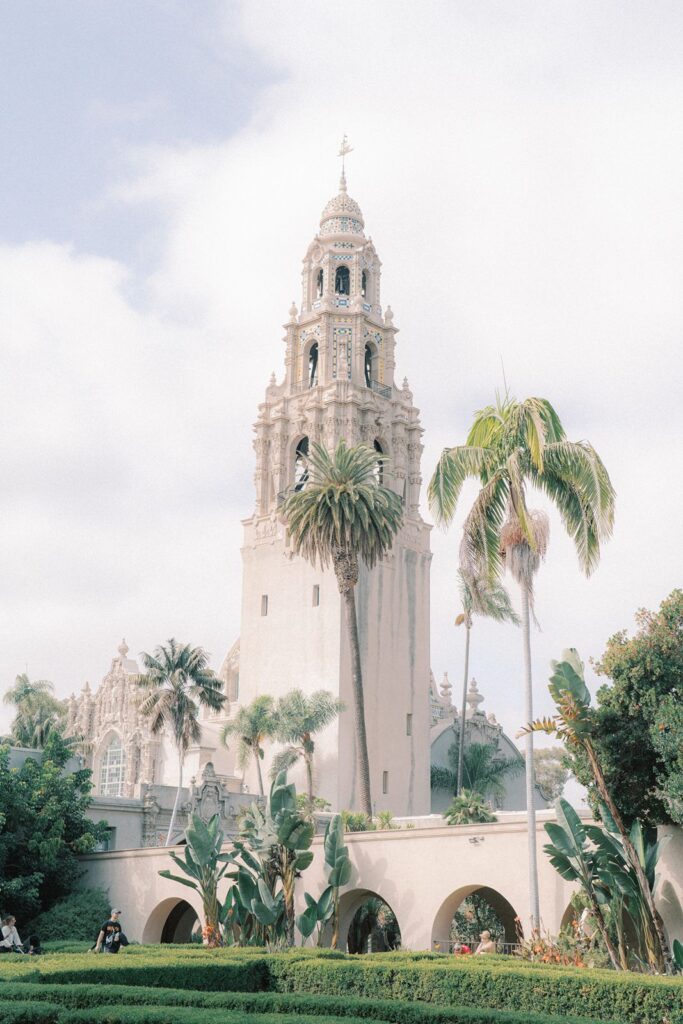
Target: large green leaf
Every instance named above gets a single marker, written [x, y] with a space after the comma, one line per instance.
[568, 677]
[176, 878]
[307, 921]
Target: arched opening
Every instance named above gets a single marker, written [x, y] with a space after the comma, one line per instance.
[367, 366]
[342, 281]
[313, 365]
[301, 464]
[173, 920]
[471, 910]
[319, 284]
[112, 768]
[379, 473]
[367, 923]
[364, 282]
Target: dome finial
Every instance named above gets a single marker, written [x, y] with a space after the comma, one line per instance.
[343, 150]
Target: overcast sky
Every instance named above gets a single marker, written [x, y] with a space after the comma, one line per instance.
[163, 168]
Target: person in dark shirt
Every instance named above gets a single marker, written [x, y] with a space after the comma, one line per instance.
[109, 938]
[34, 947]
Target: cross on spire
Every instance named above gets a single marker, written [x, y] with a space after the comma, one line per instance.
[343, 150]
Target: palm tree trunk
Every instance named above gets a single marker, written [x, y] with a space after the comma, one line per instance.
[534, 908]
[309, 778]
[358, 702]
[664, 957]
[258, 770]
[463, 712]
[181, 758]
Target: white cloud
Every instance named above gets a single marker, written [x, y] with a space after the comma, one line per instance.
[518, 169]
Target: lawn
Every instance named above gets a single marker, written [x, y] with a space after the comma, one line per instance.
[191, 985]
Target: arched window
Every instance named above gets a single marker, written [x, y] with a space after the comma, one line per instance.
[364, 284]
[301, 464]
[319, 283]
[313, 366]
[368, 366]
[112, 769]
[342, 281]
[379, 474]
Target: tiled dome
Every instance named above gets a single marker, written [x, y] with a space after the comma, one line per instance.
[342, 215]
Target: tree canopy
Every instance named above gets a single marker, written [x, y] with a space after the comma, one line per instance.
[43, 829]
[638, 718]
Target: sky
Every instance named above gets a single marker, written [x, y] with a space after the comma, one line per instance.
[164, 165]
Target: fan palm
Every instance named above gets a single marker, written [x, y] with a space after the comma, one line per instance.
[178, 682]
[253, 723]
[484, 770]
[297, 719]
[481, 596]
[38, 712]
[510, 446]
[344, 515]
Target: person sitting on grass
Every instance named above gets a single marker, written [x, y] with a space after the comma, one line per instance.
[486, 944]
[34, 946]
[10, 941]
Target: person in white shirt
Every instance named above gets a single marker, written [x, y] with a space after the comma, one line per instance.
[10, 936]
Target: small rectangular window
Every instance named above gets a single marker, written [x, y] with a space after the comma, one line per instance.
[385, 782]
[316, 595]
[264, 604]
[409, 725]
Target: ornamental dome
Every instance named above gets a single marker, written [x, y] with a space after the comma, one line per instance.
[342, 215]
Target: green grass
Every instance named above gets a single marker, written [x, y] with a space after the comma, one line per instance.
[192, 985]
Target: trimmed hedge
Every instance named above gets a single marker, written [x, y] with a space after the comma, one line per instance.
[29, 1013]
[438, 980]
[326, 1008]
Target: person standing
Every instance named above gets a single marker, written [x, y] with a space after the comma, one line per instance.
[109, 938]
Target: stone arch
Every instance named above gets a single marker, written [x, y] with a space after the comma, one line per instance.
[310, 363]
[370, 363]
[503, 908]
[172, 920]
[349, 904]
[299, 454]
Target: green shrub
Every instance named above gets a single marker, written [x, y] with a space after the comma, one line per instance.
[77, 916]
[28, 1013]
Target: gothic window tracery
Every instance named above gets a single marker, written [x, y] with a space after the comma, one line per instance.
[342, 281]
[112, 768]
[301, 464]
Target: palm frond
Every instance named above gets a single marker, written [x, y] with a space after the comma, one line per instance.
[455, 466]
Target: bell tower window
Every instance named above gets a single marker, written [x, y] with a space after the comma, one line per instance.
[301, 464]
[364, 284]
[379, 473]
[342, 281]
[368, 366]
[319, 283]
[313, 366]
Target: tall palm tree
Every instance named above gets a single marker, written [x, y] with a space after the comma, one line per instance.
[253, 723]
[510, 446]
[484, 770]
[38, 712]
[297, 719]
[481, 596]
[178, 682]
[344, 515]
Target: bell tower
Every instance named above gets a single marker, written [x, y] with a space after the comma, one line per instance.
[339, 382]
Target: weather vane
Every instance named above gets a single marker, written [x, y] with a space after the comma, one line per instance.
[343, 150]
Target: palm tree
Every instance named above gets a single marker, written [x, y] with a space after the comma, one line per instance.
[481, 596]
[297, 718]
[38, 712]
[484, 771]
[510, 446]
[179, 682]
[253, 723]
[344, 515]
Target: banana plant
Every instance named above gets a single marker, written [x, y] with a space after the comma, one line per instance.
[319, 912]
[205, 866]
[574, 725]
[571, 855]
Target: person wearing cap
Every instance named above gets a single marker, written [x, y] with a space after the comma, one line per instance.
[109, 938]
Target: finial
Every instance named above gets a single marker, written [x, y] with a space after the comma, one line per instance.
[86, 687]
[123, 649]
[273, 379]
[388, 315]
[343, 150]
[474, 698]
[293, 311]
[446, 687]
[406, 386]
